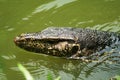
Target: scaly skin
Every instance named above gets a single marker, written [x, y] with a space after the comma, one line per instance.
[66, 42]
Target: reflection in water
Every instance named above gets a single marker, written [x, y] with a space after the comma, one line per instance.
[2, 74]
[113, 26]
[48, 6]
[55, 3]
[84, 22]
[8, 28]
[75, 69]
[107, 63]
[9, 57]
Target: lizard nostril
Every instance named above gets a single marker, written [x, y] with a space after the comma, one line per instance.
[16, 40]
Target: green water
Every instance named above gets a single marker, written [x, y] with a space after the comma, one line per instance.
[20, 16]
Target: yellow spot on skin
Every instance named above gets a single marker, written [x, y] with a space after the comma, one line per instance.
[23, 34]
[61, 46]
[50, 48]
[23, 39]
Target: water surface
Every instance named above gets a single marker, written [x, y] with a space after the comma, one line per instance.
[20, 16]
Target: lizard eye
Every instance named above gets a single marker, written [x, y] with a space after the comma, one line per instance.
[75, 49]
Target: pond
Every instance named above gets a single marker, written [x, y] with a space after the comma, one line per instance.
[21, 16]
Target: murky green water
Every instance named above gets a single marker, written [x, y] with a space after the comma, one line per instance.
[19, 16]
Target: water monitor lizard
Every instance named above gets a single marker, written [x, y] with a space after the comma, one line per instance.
[66, 41]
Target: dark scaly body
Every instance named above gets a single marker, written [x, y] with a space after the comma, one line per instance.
[66, 42]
